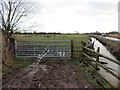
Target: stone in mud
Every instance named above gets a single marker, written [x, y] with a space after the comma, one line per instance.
[23, 82]
[35, 80]
[17, 77]
[25, 73]
[34, 77]
[11, 83]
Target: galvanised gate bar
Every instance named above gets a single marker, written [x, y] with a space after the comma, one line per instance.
[35, 48]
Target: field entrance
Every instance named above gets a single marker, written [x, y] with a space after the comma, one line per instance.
[37, 48]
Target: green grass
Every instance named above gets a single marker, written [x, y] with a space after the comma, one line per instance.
[75, 38]
[113, 44]
[75, 61]
[85, 70]
[17, 63]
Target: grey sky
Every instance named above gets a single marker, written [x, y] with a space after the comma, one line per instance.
[68, 16]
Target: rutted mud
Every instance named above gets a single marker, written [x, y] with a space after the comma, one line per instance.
[61, 74]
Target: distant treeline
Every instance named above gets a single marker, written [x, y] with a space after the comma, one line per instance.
[35, 33]
[114, 32]
[44, 33]
[98, 33]
[95, 33]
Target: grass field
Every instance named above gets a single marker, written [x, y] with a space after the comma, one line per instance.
[75, 38]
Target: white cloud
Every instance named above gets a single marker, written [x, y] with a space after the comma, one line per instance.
[75, 15]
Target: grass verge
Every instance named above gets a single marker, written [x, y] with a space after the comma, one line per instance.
[87, 71]
[17, 63]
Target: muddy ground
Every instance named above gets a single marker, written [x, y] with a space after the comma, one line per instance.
[49, 74]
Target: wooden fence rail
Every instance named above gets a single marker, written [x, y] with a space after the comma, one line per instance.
[101, 55]
[97, 62]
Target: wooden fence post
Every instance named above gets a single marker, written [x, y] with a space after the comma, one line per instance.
[83, 45]
[71, 48]
[97, 58]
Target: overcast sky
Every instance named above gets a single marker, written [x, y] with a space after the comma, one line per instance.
[69, 16]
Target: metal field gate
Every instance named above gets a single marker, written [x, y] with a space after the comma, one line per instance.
[36, 48]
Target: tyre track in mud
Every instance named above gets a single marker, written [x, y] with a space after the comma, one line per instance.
[62, 74]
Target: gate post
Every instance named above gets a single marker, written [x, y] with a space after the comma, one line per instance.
[71, 48]
[97, 58]
[15, 47]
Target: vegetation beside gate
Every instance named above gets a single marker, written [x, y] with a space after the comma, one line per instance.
[16, 64]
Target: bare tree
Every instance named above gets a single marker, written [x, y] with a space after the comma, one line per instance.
[11, 12]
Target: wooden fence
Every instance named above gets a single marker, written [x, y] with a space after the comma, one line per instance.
[94, 57]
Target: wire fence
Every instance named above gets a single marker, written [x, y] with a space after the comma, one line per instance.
[35, 48]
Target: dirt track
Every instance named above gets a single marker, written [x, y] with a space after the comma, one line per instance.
[49, 74]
